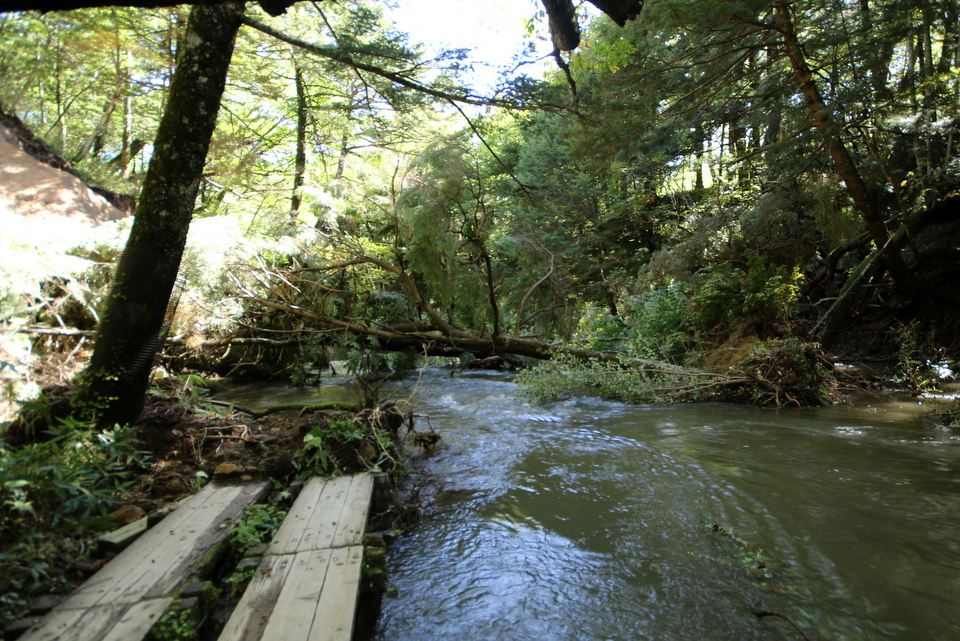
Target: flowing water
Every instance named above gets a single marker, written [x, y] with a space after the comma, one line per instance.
[586, 519]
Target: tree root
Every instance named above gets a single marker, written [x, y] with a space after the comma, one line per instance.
[757, 610]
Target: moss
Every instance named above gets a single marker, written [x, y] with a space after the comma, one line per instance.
[373, 572]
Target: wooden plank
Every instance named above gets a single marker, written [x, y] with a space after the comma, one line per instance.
[353, 517]
[336, 609]
[292, 616]
[321, 527]
[307, 585]
[65, 624]
[137, 620]
[308, 595]
[88, 624]
[220, 523]
[320, 502]
[288, 535]
[152, 566]
[144, 561]
[110, 603]
[329, 513]
[121, 538]
[249, 618]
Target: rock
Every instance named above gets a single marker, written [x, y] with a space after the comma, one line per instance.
[169, 486]
[228, 469]
[126, 515]
[368, 452]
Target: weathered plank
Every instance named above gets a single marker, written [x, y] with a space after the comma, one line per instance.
[292, 615]
[86, 623]
[113, 622]
[121, 538]
[356, 509]
[334, 615]
[307, 595]
[328, 513]
[153, 565]
[306, 586]
[306, 510]
[138, 619]
[249, 618]
[129, 591]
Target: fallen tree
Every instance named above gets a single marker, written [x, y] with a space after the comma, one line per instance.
[783, 372]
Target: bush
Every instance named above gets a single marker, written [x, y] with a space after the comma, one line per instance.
[66, 482]
[762, 294]
[658, 323]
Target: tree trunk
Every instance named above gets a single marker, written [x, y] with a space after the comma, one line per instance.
[300, 163]
[849, 173]
[114, 385]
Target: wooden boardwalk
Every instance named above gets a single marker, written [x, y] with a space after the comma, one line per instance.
[127, 596]
[306, 585]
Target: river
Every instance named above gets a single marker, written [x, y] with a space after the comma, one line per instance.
[587, 519]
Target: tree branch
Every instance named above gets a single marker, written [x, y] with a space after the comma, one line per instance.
[338, 54]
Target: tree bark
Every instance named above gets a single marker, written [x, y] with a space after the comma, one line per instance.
[114, 385]
[905, 279]
[300, 162]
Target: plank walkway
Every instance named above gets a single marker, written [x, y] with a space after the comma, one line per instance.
[306, 585]
[126, 597]
[305, 588]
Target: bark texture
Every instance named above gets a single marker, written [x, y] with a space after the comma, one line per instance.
[847, 169]
[114, 386]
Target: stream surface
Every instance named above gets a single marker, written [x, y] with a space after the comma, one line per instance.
[586, 519]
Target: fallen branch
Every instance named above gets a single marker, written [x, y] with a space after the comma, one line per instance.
[758, 612]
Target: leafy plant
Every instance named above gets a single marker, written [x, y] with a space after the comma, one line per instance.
[257, 527]
[658, 323]
[920, 364]
[751, 557]
[176, 625]
[66, 482]
[762, 293]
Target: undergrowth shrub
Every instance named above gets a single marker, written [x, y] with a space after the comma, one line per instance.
[763, 294]
[566, 376]
[657, 322]
[66, 482]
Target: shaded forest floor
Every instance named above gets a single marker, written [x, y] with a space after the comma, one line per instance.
[184, 442]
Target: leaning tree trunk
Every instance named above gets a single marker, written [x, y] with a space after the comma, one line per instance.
[848, 171]
[114, 385]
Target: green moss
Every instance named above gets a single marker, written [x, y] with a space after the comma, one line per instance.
[373, 573]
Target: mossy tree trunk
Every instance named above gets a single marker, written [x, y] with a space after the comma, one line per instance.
[114, 386]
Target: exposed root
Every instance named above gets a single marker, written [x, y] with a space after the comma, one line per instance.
[759, 612]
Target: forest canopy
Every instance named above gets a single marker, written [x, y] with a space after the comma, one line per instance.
[680, 188]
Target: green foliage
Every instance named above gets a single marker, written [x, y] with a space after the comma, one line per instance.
[65, 483]
[622, 381]
[317, 455]
[752, 558]
[176, 624]
[762, 293]
[658, 323]
[920, 363]
[257, 527]
[344, 446]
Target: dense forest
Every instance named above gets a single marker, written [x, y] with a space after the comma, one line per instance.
[710, 200]
[680, 189]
